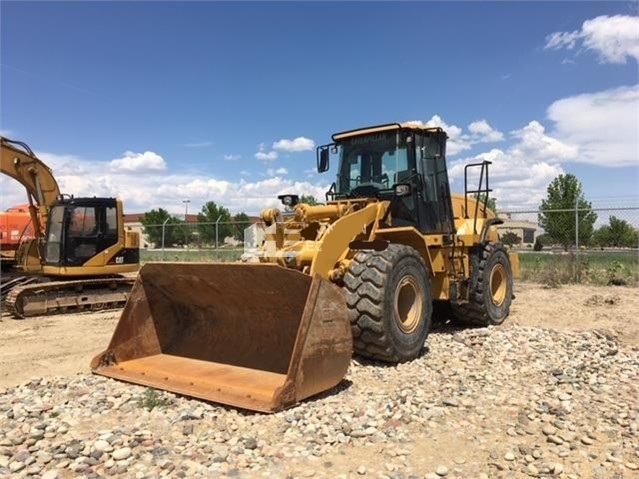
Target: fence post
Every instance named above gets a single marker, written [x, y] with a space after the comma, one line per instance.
[217, 253]
[163, 225]
[577, 264]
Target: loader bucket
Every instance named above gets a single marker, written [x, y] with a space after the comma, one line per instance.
[255, 336]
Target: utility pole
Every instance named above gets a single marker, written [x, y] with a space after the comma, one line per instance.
[186, 208]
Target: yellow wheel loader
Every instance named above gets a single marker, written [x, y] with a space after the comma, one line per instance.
[360, 273]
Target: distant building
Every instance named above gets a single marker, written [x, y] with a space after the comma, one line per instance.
[526, 230]
[133, 222]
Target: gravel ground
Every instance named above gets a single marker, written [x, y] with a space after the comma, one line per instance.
[505, 402]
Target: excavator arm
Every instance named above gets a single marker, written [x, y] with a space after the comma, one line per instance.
[21, 164]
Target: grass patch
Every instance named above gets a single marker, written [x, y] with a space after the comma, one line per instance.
[191, 255]
[151, 399]
[594, 267]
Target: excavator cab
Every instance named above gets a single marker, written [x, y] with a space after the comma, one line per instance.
[83, 231]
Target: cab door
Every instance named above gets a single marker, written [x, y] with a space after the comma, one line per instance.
[435, 211]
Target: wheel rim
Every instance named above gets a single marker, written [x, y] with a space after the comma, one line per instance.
[498, 285]
[408, 305]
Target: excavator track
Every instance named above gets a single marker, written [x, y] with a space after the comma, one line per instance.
[56, 297]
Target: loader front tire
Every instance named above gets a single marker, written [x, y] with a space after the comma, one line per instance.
[491, 287]
[389, 302]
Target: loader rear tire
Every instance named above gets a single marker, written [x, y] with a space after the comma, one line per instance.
[491, 287]
[389, 302]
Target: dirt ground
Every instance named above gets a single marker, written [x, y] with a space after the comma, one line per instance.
[63, 345]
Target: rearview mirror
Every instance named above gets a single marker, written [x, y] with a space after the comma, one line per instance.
[322, 159]
[402, 189]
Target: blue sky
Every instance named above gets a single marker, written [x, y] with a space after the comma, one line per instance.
[214, 101]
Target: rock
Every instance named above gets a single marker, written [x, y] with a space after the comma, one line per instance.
[509, 456]
[611, 458]
[16, 466]
[586, 440]
[122, 453]
[555, 439]
[50, 474]
[441, 471]
[361, 470]
[250, 443]
[96, 454]
[532, 470]
[102, 445]
[22, 456]
[450, 401]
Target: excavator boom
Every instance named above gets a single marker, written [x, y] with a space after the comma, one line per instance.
[20, 163]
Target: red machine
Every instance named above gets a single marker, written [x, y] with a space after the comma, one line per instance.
[15, 227]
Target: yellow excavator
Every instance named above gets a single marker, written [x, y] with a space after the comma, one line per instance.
[78, 260]
[359, 274]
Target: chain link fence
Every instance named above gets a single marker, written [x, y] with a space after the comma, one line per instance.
[205, 241]
[595, 245]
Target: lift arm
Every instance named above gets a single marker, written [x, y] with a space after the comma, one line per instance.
[21, 164]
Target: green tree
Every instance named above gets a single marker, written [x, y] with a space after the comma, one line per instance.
[509, 238]
[617, 233]
[557, 212]
[308, 199]
[492, 202]
[184, 233]
[240, 222]
[541, 241]
[152, 227]
[207, 219]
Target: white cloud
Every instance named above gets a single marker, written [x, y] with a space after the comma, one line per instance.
[614, 39]
[458, 141]
[275, 172]
[537, 146]
[298, 144]
[163, 189]
[519, 175]
[232, 157]
[65, 164]
[264, 156]
[600, 128]
[604, 125]
[138, 162]
[484, 133]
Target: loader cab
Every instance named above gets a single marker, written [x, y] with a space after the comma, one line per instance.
[375, 164]
[78, 229]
